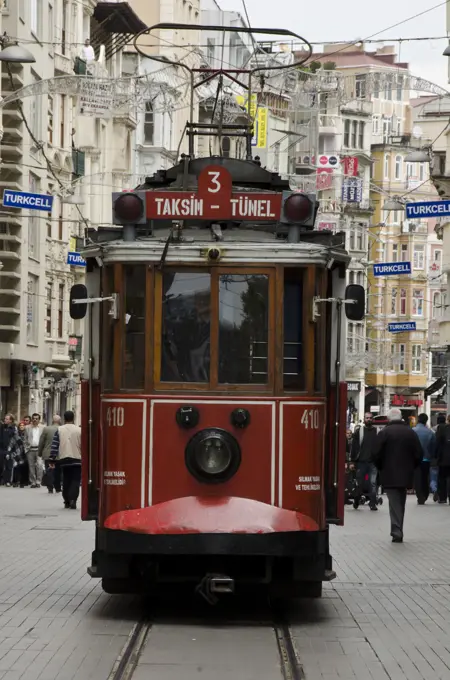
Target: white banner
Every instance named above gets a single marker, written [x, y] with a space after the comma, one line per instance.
[96, 99]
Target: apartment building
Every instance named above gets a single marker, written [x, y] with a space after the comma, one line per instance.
[77, 159]
[430, 120]
[162, 116]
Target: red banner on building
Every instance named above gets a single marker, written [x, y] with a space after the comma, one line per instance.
[350, 164]
[324, 178]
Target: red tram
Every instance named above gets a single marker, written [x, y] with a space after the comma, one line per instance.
[214, 409]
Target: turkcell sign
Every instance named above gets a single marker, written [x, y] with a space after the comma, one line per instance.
[75, 260]
[22, 199]
[391, 268]
[402, 327]
[418, 211]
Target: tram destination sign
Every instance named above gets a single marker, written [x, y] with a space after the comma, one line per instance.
[425, 209]
[391, 268]
[214, 199]
[402, 327]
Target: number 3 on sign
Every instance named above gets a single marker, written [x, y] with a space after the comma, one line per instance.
[310, 419]
[115, 416]
[215, 182]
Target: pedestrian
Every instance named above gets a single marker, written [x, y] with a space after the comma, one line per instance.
[52, 469]
[27, 420]
[32, 436]
[348, 445]
[422, 474]
[8, 434]
[443, 459]
[398, 453]
[434, 466]
[363, 447]
[66, 447]
[21, 469]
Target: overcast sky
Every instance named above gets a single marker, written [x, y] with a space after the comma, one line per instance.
[346, 20]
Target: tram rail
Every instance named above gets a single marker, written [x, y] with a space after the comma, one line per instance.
[128, 659]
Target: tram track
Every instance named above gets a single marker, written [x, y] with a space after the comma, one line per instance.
[128, 659]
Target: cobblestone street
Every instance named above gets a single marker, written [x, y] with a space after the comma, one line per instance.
[387, 616]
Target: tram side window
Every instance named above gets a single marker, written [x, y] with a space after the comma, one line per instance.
[134, 345]
[186, 323]
[243, 328]
[108, 333]
[293, 357]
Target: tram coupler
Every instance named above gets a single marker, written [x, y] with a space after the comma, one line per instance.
[213, 585]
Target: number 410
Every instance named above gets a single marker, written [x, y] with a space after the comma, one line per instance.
[310, 419]
[115, 416]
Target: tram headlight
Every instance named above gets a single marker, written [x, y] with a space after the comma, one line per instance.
[213, 456]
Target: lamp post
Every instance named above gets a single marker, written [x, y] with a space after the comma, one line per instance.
[13, 53]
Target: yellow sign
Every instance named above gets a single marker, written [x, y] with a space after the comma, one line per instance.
[259, 116]
[261, 122]
[243, 101]
[72, 245]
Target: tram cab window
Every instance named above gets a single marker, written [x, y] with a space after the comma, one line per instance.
[293, 362]
[186, 322]
[243, 328]
[134, 344]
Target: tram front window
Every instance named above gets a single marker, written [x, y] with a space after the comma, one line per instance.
[243, 328]
[186, 321]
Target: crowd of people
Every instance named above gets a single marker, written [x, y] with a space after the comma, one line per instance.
[33, 455]
[401, 459]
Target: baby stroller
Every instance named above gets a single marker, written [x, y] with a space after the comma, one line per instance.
[353, 496]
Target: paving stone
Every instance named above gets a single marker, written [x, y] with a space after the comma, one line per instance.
[385, 617]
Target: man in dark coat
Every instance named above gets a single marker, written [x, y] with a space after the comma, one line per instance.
[443, 459]
[397, 455]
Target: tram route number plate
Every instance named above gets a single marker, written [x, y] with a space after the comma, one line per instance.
[214, 199]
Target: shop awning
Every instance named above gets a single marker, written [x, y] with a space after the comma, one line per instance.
[434, 387]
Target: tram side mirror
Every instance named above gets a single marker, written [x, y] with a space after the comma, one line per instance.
[78, 292]
[355, 311]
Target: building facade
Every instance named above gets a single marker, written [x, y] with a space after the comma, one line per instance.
[52, 148]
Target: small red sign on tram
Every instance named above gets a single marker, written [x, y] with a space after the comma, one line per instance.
[214, 199]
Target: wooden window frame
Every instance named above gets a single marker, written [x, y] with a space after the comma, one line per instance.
[214, 385]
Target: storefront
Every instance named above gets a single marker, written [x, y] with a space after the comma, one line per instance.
[354, 406]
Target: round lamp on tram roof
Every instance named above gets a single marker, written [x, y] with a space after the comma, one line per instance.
[297, 207]
[213, 456]
[129, 207]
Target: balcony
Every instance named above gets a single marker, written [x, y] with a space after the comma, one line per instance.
[360, 107]
[328, 125]
[363, 207]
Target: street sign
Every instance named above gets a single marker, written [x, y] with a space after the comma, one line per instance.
[214, 200]
[391, 268]
[422, 210]
[402, 327]
[23, 199]
[96, 98]
[75, 260]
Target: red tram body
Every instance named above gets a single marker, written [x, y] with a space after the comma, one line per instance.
[214, 409]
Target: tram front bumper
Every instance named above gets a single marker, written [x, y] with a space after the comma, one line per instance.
[212, 526]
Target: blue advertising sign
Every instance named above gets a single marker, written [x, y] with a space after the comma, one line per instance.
[22, 199]
[402, 327]
[391, 268]
[75, 260]
[352, 190]
[424, 209]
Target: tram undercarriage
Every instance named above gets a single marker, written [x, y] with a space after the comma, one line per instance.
[287, 565]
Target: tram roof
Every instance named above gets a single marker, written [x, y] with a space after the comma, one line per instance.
[238, 246]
